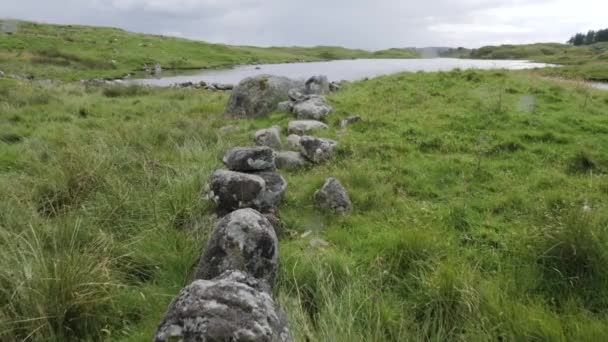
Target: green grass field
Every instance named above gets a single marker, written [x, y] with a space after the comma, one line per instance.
[79, 52]
[481, 210]
[588, 62]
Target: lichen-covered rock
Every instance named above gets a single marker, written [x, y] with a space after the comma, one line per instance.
[270, 137]
[243, 240]
[317, 85]
[248, 159]
[301, 127]
[285, 107]
[273, 193]
[258, 96]
[293, 141]
[333, 196]
[231, 190]
[295, 94]
[289, 160]
[317, 150]
[312, 108]
[231, 307]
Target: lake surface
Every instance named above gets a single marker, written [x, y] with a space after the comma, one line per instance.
[349, 70]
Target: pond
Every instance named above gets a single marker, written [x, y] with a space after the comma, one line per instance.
[349, 70]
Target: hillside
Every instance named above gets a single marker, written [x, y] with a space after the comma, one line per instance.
[583, 62]
[479, 198]
[81, 52]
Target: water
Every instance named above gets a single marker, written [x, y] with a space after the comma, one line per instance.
[603, 86]
[349, 70]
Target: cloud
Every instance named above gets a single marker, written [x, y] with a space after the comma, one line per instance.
[354, 23]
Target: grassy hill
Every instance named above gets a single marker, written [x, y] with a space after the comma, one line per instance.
[583, 62]
[480, 199]
[81, 52]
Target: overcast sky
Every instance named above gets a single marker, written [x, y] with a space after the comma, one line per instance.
[369, 24]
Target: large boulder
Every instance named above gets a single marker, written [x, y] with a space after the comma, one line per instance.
[301, 127]
[270, 137]
[317, 150]
[318, 85]
[243, 240]
[249, 159]
[285, 106]
[289, 160]
[231, 307]
[332, 196]
[258, 96]
[312, 108]
[231, 190]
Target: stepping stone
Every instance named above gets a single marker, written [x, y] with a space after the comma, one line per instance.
[248, 159]
[302, 127]
[317, 150]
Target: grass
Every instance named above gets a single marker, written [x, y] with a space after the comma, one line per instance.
[71, 52]
[473, 220]
[588, 62]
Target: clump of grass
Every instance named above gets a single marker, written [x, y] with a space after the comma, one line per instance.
[125, 90]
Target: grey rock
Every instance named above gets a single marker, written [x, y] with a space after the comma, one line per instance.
[289, 160]
[317, 85]
[224, 87]
[270, 137]
[333, 196]
[348, 121]
[158, 69]
[2, 74]
[334, 86]
[296, 94]
[293, 141]
[318, 244]
[231, 307]
[285, 107]
[231, 190]
[246, 159]
[273, 192]
[257, 96]
[301, 127]
[317, 150]
[312, 108]
[243, 240]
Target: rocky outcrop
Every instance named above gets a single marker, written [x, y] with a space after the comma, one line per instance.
[243, 240]
[289, 160]
[313, 107]
[317, 150]
[257, 96]
[232, 307]
[318, 85]
[270, 137]
[249, 159]
[332, 196]
[302, 127]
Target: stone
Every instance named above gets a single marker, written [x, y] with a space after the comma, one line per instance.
[318, 85]
[243, 240]
[248, 159]
[348, 121]
[258, 96]
[2, 74]
[334, 86]
[231, 190]
[270, 137]
[317, 150]
[312, 108]
[302, 127]
[273, 193]
[223, 87]
[289, 160]
[332, 196]
[285, 107]
[295, 94]
[318, 244]
[158, 69]
[231, 307]
[293, 141]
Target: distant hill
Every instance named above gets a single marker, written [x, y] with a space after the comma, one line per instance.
[72, 52]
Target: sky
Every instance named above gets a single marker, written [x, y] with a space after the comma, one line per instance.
[369, 24]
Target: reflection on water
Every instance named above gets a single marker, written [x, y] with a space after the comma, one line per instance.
[349, 70]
